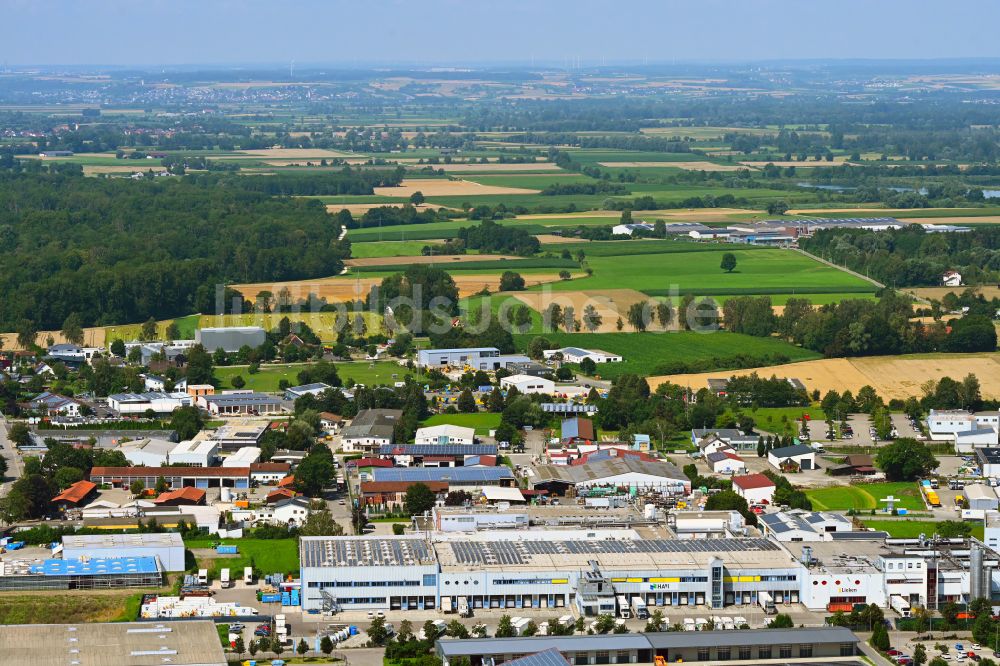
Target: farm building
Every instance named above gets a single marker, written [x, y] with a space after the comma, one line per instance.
[194, 643]
[630, 228]
[628, 472]
[577, 354]
[167, 547]
[230, 338]
[370, 429]
[800, 454]
[140, 403]
[527, 384]
[148, 452]
[445, 434]
[76, 495]
[228, 404]
[855, 464]
[754, 488]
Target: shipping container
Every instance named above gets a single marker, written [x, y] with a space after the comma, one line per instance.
[227, 550]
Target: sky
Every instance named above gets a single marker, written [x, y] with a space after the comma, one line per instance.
[475, 32]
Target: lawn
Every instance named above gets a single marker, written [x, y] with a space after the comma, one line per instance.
[866, 496]
[387, 249]
[911, 529]
[654, 353]
[782, 420]
[52, 607]
[483, 422]
[267, 380]
[267, 556]
[756, 271]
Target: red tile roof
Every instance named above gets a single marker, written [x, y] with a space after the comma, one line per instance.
[287, 481]
[75, 493]
[751, 481]
[279, 494]
[270, 467]
[370, 487]
[369, 462]
[188, 494]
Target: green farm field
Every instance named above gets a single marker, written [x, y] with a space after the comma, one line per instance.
[648, 353]
[366, 250]
[757, 269]
[268, 378]
[865, 496]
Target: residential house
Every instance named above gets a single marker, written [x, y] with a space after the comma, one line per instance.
[725, 462]
[52, 404]
[855, 464]
[330, 423]
[370, 429]
[731, 436]
[269, 472]
[445, 434]
[951, 279]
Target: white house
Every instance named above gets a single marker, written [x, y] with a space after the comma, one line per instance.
[725, 462]
[53, 404]
[529, 384]
[577, 354]
[754, 488]
[196, 453]
[445, 434]
[159, 384]
[148, 452]
[804, 456]
[370, 430]
[292, 512]
[951, 279]
[713, 444]
[269, 472]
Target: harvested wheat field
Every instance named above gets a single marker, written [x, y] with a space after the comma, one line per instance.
[497, 167]
[690, 166]
[891, 376]
[343, 288]
[286, 154]
[989, 291]
[840, 159]
[434, 187]
[421, 259]
[610, 303]
[552, 238]
[362, 208]
[93, 170]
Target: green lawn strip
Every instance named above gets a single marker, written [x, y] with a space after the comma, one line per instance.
[267, 556]
[866, 496]
[911, 529]
[483, 422]
[784, 419]
[268, 378]
[56, 607]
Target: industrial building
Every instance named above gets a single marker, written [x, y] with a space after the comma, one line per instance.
[445, 434]
[234, 436]
[195, 453]
[576, 355]
[585, 569]
[230, 338]
[166, 547]
[802, 645]
[245, 457]
[240, 403]
[193, 643]
[627, 472]
[75, 574]
[148, 452]
[528, 384]
[176, 477]
[477, 358]
[140, 403]
[436, 455]
[296, 392]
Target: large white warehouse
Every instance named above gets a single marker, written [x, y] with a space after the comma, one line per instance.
[167, 546]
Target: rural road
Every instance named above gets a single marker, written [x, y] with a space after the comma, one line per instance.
[841, 268]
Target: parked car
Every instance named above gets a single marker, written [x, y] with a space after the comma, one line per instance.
[893, 652]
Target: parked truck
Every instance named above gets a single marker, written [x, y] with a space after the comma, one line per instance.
[624, 612]
[639, 608]
[900, 605]
[248, 575]
[224, 578]
[203, 576]
[766, 602]
[464, 610]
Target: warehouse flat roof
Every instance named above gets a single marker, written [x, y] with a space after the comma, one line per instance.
[354, 551]
[601, 469]
[194, 643]
[438, 450]
[149, 540]
[418, 474]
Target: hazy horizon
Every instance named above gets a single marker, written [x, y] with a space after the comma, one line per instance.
[580, 33]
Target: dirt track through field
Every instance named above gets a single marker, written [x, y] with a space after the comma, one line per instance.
[891, 376]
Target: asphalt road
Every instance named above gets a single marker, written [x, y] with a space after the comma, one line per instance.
[8, 451]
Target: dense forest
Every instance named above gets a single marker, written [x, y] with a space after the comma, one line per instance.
[912, 257]
[114, 251]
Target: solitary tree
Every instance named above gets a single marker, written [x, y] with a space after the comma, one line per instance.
[302, 647]
[466, 403]
[505, 628]
[72, 329]
[417, 198]
[728, 262]
[638, 316]
[238, 382]
[326, 645]
[781, 621]
[591, 318]
[148, 331]
[419, 498]
[238, 646]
